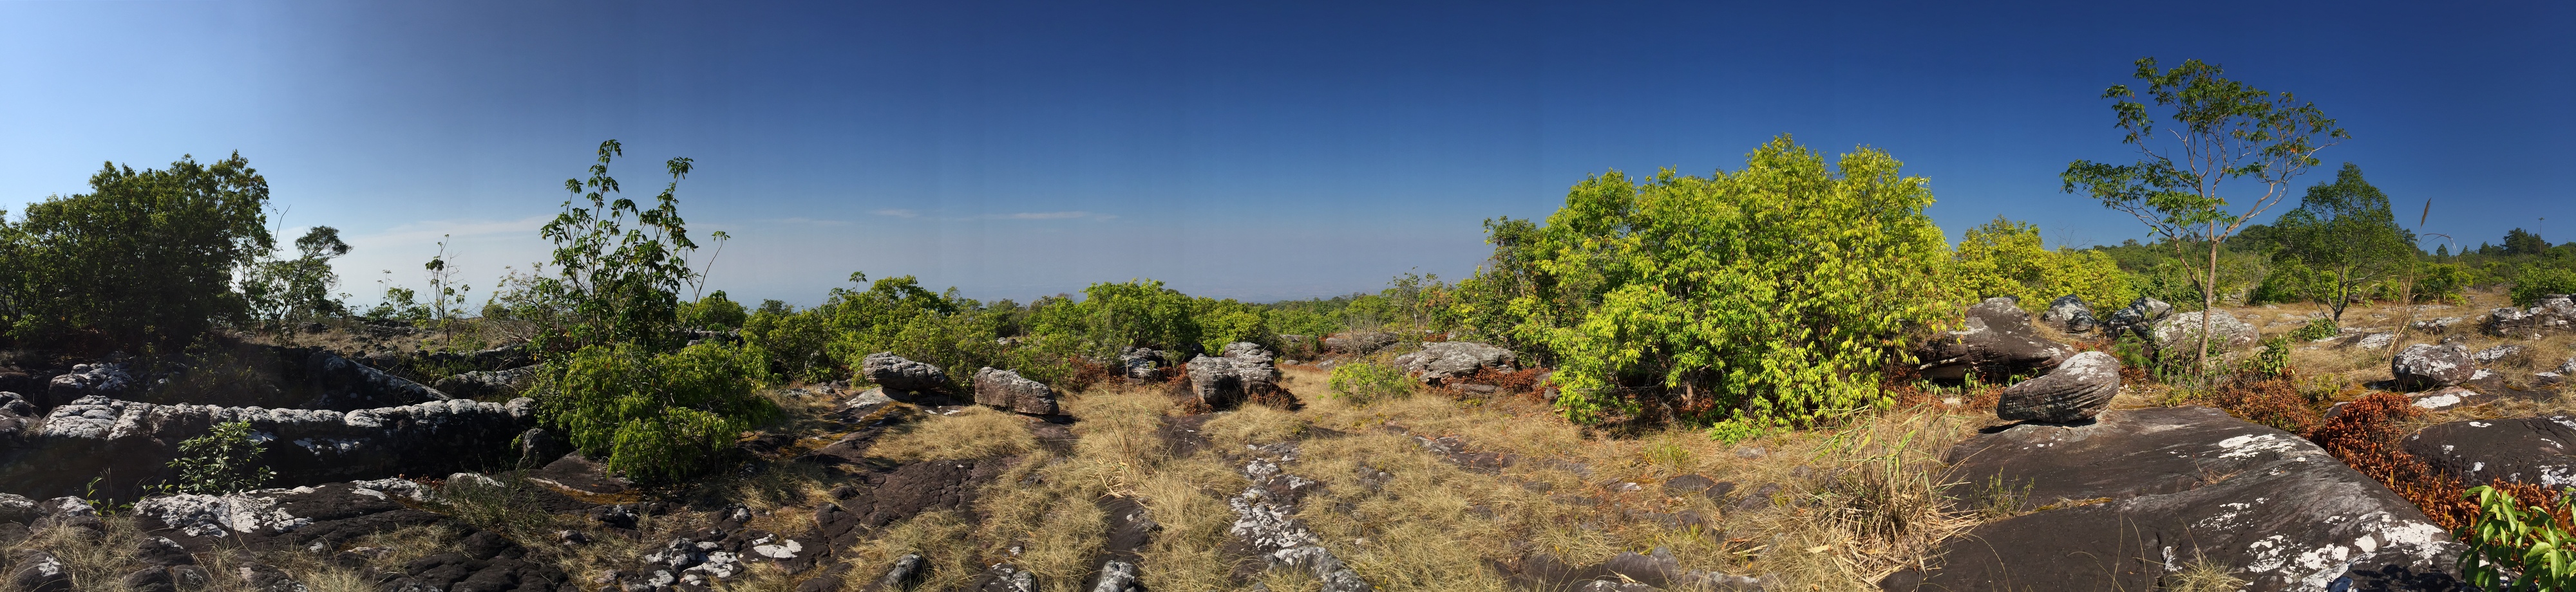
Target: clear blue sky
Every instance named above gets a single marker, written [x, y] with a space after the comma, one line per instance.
[1251, 150]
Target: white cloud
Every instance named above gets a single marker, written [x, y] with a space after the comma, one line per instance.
[814, 222]
[898, 213]
[429, 231]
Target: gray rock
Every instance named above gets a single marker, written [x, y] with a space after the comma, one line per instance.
[2077, 390]
[1139, 364]
[1224, 382]
[1117, 576]
[2522, 450]
[2069, 313]
[132, 443]
[2182, 332]
[1006, 390]
[39, 571]
[2136, 318]
[341, 384]
[488, 383]
[2492, 354]
[1359, 342]
[2553, 313]
[1446, 361]
[906, 573]
[2424, 366]
[2437, 325]
[85, 380]
[1995, 341]
[17, 508]
[894, 372]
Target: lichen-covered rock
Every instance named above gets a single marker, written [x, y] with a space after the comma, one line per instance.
[480, 384]
[341, 384]
[2553, 313]
[2182, 331]
[1995, 341]
[894, 372]
[2425, 366]
[1006, 390]
[1359, 342]
[2070, 314]
[2532, 450]
[2136, 318]
[2077, 390]
[1243, 373]
[1139, 364]
[102, 379]
[1447, 361]
[132, 442]
[2492, 354]
[39, 571]
[17, 508]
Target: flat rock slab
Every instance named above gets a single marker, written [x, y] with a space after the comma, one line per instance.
[2165, 489]
[2526, 450]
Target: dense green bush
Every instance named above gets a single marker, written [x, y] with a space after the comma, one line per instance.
[797, 343]
[2442, 282]
[2004, 258]
[2537, 281]
[2316, 329]
[2517, 548]
[1770, 295]
[656, 416]
[1364, 382]
[714, 312]
[147, 257]
[225, 460]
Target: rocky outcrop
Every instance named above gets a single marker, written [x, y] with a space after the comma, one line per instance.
[1242, 374]
[2182, 331]
[128, 444]
[482, 384]
[2425, 366]
[1006, 390]
[322, 518]
[341, 384]
[103, 379]
[1359, 342]
[1265, 521]
[1995, 342]
[2498, 353]
[2136, 318]
[895, 373]
[1139, 364]
[2552, 314]
[1447, 361]
[2076, 391]
[2070, 314]
[2141, 494]
[2524, 450]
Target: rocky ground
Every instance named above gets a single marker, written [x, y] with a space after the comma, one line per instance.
[1234, 471]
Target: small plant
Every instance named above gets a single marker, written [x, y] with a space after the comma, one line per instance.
[2514, 547]
[222, 461]
[1364, 382]
[2273, 361]
[2316, 329]
[1670, 455]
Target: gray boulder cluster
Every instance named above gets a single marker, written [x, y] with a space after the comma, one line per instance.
[1359, 342]
[997, 388]
[1244, 372]
[1443, 362]
[2552, 314]
[1004, 389]
[1139, 365]
[2070, 314]
[901, 375]
[131, 443]
[2426, 366]
[1995, 342]
[2076, 391]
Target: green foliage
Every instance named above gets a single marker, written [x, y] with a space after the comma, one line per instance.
[2316, 329]
[284, 292]
[2004, 258]
[656, 416]
[1137, 313]
[619, 283]
[796, 342]
[2344, 231]
[2274, 360]
[147, 257]
[2524, 242]
[2517, 548]
[715, 312]
[2442, 282]
[1773, 293]
[1365, 382]
[225, 460]
[2537, 281]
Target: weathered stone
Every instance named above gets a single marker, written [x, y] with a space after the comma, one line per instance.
[894, 372]
[1117, 576]
[2522, 450]
[2424, 366]
[2493, 354]
[2437, 325]
[17, 508]
[2069, 313]
[573, 473]
[1139, 364]
[132, 443]
[38, 571]
[102, 379]
[1359, 342]
[1004, 389]
[1243, 373]
[2077, 390]
[904, 574]
[481, 384]
[1446, 361]
[2182, 331]
[2553, 313]
[1995, 342]
[2136, 318]
[341, 384]
[2141, 494]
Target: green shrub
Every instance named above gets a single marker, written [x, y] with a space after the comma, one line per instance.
[2004, 258]
[1773, 293]
[147, 257]
[2316, 329]
[715, 312]
[2537, 281]
[656, 416]
[2442, 282]
[225, 460]
[795, 341]
[2515, 548]
[1364, 382]
[2274, 360]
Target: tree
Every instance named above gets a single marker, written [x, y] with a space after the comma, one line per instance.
[284, 292]
[2220, 130]
[2523, 242]
[146, 258]
[2345, 232]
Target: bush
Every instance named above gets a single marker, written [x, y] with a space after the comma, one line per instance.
[795, 342]
[147, 257]
[1363, 382]
[2316, 329]
[2537, 281]
[2442, 282]
[225, 460]
[2514, 547]
[2004, 258]
[656, 416]
[1773, 293]
[715, 312]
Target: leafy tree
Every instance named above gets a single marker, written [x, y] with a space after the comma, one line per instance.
[284, 292]
[1767, 296]
[714, 312]
[2221, 130]
[146, 258]
[2345, 232]
[2523, 242]
[657, 415]
[2005, 258]
[1136, 313]
[2537, 281]
[620, 283]
[796, 342]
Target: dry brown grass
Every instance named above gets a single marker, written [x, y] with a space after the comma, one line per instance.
[974, 432]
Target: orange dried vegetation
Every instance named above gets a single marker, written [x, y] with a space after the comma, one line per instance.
[2364, 435]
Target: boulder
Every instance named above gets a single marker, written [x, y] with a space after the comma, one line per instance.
[1446, 361]
[1995, 342]
[102, 379]
[131, 443]
[2136, 318]
[1006, 390]
[17, 508]
[1242, 374]
[2182, 331]
[341, 384]
[2492, 354]
[895, 373]
[2524, 450]
[2425, 366]
[38, 571]
[2140, 494]
[2077, 390]
[2070, 314]
[2553, 313]
[1139, 364]
[1359, 342]
[481, 384]
[2437, 326]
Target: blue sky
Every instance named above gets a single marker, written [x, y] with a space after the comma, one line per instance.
[1250, 150]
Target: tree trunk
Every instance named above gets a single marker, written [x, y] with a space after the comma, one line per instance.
[2208, 302]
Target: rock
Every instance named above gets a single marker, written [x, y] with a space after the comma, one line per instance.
[481, 384]
[38, 571]
[2070, 314]
[1359, 342]
[2492, 354]
[132, 443]
[572, 473]
[341, 384]
[1006, 390]
[162, 552]
[537, 445]
[2380, 340]
[894, 372]
[17, 508]
[150, 579]
[2423, 367]
[1241, 375]
[1446, 361]
[2553, 313]
[1688, 485]
[86, 380]
[2524, 450]
[867, 399]
[2191, 485]
[1995, 342]
[1117, 576]
[2076, 391]
[2568, 367]
[2136, 318]
[2437, 325]
[906, 573]
[2182, 331]
[1139, 364]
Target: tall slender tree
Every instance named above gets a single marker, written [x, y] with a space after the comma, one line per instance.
[2345, 231]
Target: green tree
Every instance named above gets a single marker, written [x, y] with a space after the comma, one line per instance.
[2220, 130]
[620, 283]
[1768, 296]
[657, 415]
[147, 257]
[2345, 232]
[714, 312]
[288, 291]
[2523, 242]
